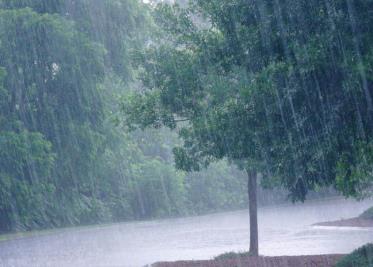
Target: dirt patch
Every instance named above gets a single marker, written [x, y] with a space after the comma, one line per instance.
[281, 261]
[354, 222]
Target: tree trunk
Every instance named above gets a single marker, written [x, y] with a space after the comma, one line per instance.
[253, 211]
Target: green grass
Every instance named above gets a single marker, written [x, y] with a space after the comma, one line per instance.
[231, 255]
[361, 257]
[368, 214]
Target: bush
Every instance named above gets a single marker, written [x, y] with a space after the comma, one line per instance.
[368, 214]
[361, 257]
[231, 255]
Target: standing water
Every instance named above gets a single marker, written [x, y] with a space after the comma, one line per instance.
[284, 230]
[108, 108]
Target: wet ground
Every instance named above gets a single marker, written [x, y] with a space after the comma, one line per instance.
[282, 261]
[284, 230]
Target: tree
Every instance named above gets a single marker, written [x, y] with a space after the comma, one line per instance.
[55, 62]
[64, 161]
[26, 161]
[283, 88]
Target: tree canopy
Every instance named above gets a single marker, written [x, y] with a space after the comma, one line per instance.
[284, 85]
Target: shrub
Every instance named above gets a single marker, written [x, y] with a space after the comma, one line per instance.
[231, 255]
[368, 214]
[361, 257]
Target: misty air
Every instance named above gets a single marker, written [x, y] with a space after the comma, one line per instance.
[186, 133]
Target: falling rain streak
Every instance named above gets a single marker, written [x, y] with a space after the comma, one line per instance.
[120, 110]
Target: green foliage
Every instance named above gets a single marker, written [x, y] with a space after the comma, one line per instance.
[160, 189]
[48, 82]
[361, 257]
[25, 196]
[231, 255]
[368, 214]
[51, 6]
[62, 161]
[284, 88]
[355, 170]
[220, 187]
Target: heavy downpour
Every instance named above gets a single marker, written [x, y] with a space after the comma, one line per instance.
[200, 133]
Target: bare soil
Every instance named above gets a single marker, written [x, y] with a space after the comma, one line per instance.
[354, 222]
[281, 261]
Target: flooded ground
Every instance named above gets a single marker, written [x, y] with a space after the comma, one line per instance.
[283, 230]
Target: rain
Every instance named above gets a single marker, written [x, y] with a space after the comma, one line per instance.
[186, 133]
